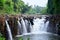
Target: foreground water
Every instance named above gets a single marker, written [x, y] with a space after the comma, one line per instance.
[43, 37]
[40, 37]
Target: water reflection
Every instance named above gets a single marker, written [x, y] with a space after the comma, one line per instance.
[41, 37]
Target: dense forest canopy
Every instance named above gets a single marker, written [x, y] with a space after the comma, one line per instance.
[9, 6]
[18, 6]
[54, 6]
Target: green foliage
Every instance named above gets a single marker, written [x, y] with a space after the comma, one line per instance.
[54, 6]
[2, 2]
[13, 6]
[31, 11]
[18, 6]
[8, 7]
[1, 37]
[44, 11]
[36, 10]
[21, 38]
[25, 9]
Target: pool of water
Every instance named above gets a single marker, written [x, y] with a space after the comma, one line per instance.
[39, 37]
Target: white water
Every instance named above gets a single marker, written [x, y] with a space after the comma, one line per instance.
[39, 25]
[24, 26]
[26, 23]
[46, 25]
[9, 31]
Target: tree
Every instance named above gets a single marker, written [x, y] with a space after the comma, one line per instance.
[10, 6]
[18, 4]
[37, 10]
[2, 3]
[25, 9]
[53, 6]
[6, 6]
[44, 11]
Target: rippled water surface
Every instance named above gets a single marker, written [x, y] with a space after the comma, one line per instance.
[40, 37]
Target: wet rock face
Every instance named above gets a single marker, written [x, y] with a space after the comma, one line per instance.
[2, 25]
[31, 20]
[13, 25]
[12, 21]
[54, 24]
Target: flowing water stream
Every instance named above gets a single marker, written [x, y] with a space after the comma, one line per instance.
[38, 31]
[9, 31]
[24, 26]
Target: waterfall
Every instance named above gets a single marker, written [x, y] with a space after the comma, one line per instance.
[19, 27]
[9, 31]
[24, 26]
[38, 31]
[28, 25]
[39, 25]
[46, 25]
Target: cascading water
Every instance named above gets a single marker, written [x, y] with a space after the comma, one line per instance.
[46, 25]
[38, 30]
[39, 25]
[24, 26]
[19, 27]
[31, 27]
[28, 25]
[9, 31]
